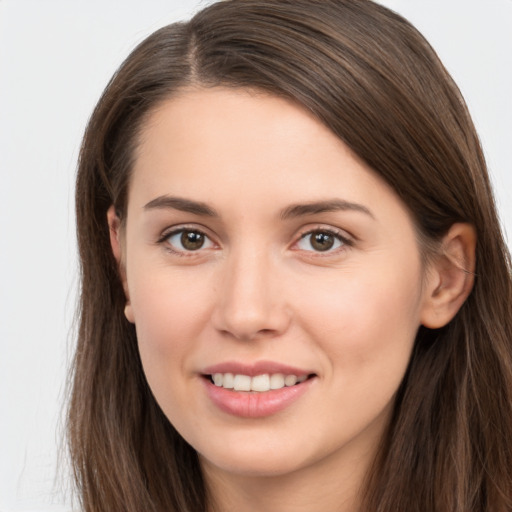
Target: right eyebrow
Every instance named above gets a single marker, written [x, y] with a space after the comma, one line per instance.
[181, 204]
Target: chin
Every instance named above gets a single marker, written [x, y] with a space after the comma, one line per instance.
[251, 465]
[260, 456]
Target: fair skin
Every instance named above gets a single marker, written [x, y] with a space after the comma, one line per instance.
[256, 243]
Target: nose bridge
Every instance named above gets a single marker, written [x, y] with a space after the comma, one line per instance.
[251, 302]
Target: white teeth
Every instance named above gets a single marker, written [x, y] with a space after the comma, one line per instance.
[229, 381]
[242, 383]
[290, 380]
[259, 383]
[277, 381]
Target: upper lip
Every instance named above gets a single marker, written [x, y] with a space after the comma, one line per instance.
[257, 368]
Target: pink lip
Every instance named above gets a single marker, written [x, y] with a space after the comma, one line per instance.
[258, 368]
[254, 404]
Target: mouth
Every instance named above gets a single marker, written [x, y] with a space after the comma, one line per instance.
[257, 390]
[261, 383]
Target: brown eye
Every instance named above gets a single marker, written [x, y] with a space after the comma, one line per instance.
[192, 240]
[187, 240]
[321, 241]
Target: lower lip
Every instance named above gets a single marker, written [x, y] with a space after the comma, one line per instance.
[255, 404]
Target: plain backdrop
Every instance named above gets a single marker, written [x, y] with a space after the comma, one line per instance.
[56, 56]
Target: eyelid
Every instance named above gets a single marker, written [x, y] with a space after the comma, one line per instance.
[174, 230]
[171, 230]
[346, 239]
[342, 235]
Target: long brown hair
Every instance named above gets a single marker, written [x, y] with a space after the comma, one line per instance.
[370, 77]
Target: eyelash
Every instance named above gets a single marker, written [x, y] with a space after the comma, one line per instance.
[344, 241]
[164, 240]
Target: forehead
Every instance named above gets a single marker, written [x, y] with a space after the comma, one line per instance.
[228, 122]
[237, 149]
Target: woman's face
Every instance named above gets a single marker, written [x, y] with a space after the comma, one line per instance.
[259, 251]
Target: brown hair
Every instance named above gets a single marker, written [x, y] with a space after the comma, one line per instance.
[370, 77]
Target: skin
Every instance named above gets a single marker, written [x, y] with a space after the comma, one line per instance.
[259, 290]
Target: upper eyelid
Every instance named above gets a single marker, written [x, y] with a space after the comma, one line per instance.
[331, 231]
[341, 233]
[163, 241]
[172, 230]
[346, 239]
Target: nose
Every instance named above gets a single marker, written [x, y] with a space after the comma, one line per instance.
[251, 303]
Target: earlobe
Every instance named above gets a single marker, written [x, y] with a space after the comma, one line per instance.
[114, 227]
[128, 312]
[451, 276]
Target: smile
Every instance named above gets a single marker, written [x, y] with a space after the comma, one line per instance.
[258, 383]
[256, 391]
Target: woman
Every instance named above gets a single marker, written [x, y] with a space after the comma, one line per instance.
[295, 292]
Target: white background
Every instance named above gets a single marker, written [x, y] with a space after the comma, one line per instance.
[55, 58]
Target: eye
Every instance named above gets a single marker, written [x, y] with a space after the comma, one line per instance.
[321, 240]
[187, 240]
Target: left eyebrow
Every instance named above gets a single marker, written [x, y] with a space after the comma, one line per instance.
[332, 205]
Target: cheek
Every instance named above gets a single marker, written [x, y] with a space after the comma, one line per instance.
[365, 321]
[170, 311]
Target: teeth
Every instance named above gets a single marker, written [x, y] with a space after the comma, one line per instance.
[277, 381]
[290, 380]
[228, 381]
[259, 383]
[242, 383]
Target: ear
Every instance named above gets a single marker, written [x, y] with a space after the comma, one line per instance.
[114, 227]
[450, 276]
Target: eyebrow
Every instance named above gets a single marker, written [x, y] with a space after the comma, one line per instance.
[179, 203]
[290, 212]
[331, 205]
